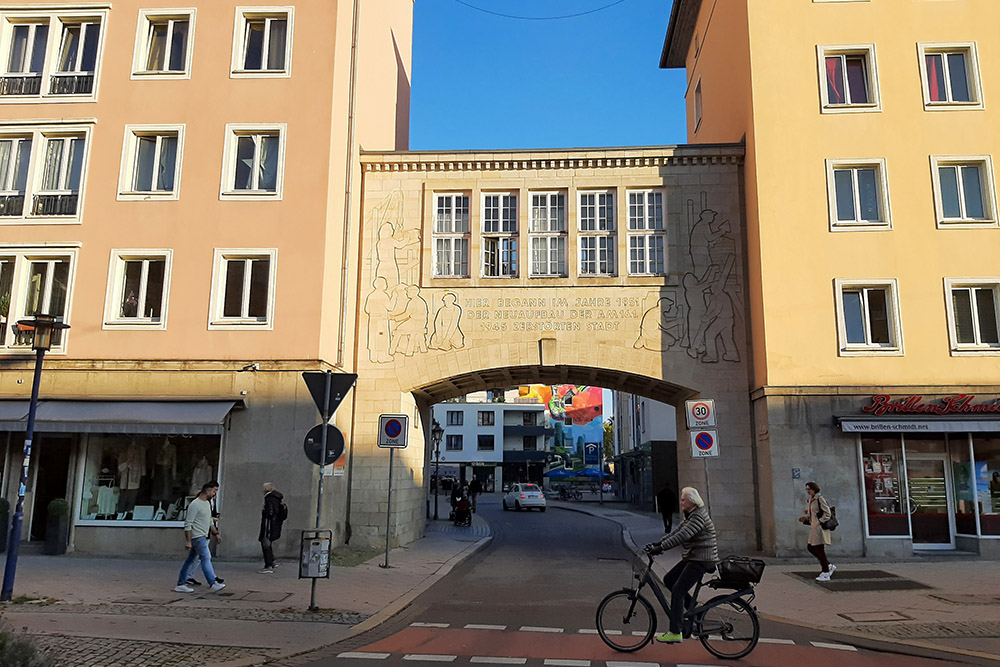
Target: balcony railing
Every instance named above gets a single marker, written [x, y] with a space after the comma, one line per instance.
[20, 84]
[11, 205]
[515, 430]
[55, 204]
[69, 83]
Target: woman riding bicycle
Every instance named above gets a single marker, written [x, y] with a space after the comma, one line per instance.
[696, 534]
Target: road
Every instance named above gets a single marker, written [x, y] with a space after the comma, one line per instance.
[530, 599]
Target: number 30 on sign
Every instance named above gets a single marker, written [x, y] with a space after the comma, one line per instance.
[700, 413]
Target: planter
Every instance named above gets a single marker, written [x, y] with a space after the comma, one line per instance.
[57, 528]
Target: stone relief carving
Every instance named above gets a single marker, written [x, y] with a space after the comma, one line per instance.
[447, 324]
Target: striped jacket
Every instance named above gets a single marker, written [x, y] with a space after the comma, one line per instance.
[696, 534]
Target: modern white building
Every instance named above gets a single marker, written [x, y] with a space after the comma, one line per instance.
[646, 448]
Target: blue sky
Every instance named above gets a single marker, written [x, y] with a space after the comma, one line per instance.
[482, 81]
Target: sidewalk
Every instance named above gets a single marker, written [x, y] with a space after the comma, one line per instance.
[124, 612]
[938, 603]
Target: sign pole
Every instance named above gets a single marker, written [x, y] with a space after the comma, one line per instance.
[322, 469]
[388, 511]
[708, 493]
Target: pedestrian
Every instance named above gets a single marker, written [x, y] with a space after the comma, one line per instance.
[271, 517]
[815, 514]
[666, 504]
[197, 526]
[475, 488]
[213, 547]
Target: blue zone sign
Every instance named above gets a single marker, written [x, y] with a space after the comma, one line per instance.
[393, 432]
[704, 443]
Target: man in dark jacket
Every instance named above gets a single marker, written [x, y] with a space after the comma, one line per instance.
[475, 488]
[271, 518]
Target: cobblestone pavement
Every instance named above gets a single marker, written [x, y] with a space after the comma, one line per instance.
[89, 652]
[223, 613]
[958, 629]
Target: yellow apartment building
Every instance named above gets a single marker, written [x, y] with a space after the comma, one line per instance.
[870, 130]
[172, 186]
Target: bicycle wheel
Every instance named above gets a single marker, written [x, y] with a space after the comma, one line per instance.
[625, 621]
[728, 629]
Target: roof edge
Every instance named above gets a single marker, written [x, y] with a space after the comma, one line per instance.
[734, 148]
[680, 31]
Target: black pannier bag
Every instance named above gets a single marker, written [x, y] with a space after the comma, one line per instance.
[741, 570]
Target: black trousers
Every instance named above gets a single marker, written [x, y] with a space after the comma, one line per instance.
[265, 546]
[819, 551]
[680, 580]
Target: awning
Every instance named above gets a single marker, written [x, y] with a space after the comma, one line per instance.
[919, 425]
[133, 417]
[12, 415]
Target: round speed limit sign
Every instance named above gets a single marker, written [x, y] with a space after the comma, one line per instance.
[700, 413]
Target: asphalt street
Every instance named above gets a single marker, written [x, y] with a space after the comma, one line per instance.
[530, 599]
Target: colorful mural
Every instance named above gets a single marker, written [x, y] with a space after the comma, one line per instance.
[577, 414]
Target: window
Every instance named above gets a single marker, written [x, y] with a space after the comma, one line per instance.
[529, 419]
[530, 443]
[254, 168]
[568, 421]
[262, 45]
[453, 443]
[485, 443]
[597, 238]
[697, 106]
[28, 44]
[451, 236]
[500, 235]
[963, 190]
[42, 172]
[31, 282]
[151, 163]
[646, 237]
[114, 493]
[848, 78]
[74, 72]
[15, 157]
[886, 502]
[137, 288]
[868, 320]
[244, 288]
[858, 194]
[455, 418]
[486, 418]
[950, 76]
[548, 234]
[972, 314]
[164, 43]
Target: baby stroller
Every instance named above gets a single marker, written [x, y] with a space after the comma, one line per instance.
[462, 514]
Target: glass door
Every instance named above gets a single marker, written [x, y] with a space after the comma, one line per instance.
[931, 516]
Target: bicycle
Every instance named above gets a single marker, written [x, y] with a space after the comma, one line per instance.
[727, 625]
[570, 494]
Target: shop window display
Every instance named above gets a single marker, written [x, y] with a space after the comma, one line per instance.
[145, 478]
[964, 488]
[986, 452]
[885, 490]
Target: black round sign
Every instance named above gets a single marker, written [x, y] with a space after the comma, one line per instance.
[314, 444]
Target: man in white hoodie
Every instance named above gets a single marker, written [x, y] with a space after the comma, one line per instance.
[197, 526]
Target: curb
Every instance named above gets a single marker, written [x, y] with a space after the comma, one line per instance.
[626, 533]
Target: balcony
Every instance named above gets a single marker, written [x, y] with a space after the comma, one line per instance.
[20, 84]
[54, 205]
[519, 430]
[11, 205]
[72, 83]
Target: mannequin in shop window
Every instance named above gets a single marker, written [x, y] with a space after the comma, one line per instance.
[166, 470]
[202, 475]
[131, 470]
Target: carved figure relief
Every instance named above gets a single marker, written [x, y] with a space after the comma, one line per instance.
[447, 330]
[662, 326]
[377, 310]
[408, 322]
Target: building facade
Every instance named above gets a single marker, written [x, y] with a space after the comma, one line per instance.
[172, 185]
[646, 446]
[872, 230]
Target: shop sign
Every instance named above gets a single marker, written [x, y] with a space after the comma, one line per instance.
[958, 404]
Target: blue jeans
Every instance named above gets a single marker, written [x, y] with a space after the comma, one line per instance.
[199, 549]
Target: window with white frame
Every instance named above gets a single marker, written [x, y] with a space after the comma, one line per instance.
[42, 172]
[455, 418]
[646, 235]
[964, 190]
[50, 54]
[164, 43]
[453, 443]
[486, 418]
[868, 316]
[254, 164]
[262, 45]
[950, 76]
[849, 79]
[597, 233]
[151, 164]
[32, 282]
[451, 235]
[499, 235]
[137, 288]
[858, 193]
[972, 311]
[243, 293]
[548, 234]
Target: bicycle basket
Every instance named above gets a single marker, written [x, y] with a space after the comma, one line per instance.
[739, 570]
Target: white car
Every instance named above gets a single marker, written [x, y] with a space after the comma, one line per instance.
[524, 496]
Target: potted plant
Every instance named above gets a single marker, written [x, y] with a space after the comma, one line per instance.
[4, 307]
[57, 527]
[4, 523]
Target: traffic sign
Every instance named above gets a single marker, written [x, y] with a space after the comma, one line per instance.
[700, 413]
[704, 444]
[340, 384]
[393, 431]
[314, 444]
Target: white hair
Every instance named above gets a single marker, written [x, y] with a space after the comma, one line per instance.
[692, 495]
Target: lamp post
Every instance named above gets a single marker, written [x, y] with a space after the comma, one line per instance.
[42, 328]
[437, 433]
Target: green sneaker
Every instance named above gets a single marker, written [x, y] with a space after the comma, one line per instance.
[669, 638]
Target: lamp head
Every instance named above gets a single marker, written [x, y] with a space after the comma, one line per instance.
[437, 433]
[43, 327]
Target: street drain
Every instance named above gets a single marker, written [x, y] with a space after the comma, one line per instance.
[875, 616]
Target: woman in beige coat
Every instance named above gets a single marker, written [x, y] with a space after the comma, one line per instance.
[815, 513]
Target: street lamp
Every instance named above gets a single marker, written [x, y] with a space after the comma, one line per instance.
[42, 328]
[437, 433]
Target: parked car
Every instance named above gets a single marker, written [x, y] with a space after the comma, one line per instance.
[524, 496]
